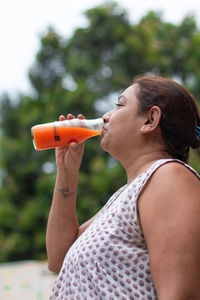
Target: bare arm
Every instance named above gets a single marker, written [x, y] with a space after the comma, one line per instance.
[62, 226]
[169, 211]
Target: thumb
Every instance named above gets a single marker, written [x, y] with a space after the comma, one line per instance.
[73, 145]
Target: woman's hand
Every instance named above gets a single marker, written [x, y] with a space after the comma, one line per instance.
[70, 156]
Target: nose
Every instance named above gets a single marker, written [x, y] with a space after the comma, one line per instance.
[106, 117]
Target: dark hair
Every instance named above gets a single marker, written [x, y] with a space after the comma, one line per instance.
[180, 113]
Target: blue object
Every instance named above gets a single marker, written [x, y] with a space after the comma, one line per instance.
[198, 130]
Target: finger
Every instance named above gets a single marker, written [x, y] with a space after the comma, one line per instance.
[61, 148]
[80, 116]
[70, 116]
[73, 145]
[61, 118]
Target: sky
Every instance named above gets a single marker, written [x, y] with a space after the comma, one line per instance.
[23, 22]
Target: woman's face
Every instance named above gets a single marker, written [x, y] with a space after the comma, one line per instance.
[122, 124]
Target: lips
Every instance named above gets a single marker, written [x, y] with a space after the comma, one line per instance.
[103, 131]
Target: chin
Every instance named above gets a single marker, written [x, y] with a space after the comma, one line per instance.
[102, 146]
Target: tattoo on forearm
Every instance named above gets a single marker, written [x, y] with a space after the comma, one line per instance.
[66, 192]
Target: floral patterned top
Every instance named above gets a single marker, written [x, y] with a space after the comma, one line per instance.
[110, 259]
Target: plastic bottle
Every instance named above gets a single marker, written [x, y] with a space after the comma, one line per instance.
[61, 133]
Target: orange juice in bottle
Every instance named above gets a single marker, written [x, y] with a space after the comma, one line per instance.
[61, 133]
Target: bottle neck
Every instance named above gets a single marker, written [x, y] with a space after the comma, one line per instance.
[94, 124]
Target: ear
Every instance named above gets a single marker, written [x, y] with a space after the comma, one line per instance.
[152, 120]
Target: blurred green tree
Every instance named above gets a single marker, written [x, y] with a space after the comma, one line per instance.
[82, 74]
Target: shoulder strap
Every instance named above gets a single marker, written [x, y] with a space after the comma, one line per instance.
[146, 175]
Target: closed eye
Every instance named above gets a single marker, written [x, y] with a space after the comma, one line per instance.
[118, 104]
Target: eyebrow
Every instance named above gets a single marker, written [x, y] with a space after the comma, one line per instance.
[121, 96]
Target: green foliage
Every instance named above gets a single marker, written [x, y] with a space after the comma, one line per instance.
[81, 75]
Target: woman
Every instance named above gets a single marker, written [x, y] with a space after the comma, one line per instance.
[145, 242]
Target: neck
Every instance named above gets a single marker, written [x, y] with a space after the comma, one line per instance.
[135, 166]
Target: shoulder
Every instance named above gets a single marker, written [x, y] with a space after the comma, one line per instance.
[169, 209]
[173, 174]
[172, 193]
[172, 190]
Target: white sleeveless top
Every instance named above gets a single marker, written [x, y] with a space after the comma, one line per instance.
[110, 259]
